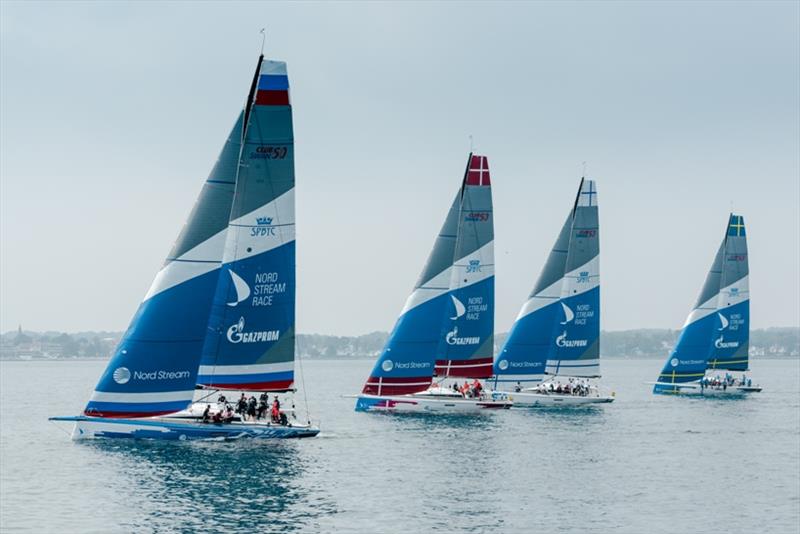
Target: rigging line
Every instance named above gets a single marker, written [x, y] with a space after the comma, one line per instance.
[263, 39]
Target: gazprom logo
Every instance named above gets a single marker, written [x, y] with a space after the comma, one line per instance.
[562, 341]
[722, 344]
[121, 375]
[236, 334]
[387, 365]
[502, 365]
[452, 338]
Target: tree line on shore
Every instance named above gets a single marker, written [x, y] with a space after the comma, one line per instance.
[642, 343]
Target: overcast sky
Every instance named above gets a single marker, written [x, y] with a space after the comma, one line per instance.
[113, 114]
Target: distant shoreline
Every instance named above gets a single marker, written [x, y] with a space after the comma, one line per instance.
[22, 345]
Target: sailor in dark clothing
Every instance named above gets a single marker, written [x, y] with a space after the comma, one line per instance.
[207, 413]
[251, 408]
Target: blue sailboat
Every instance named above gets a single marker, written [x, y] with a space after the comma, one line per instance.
[446, 328]
[552, 353]
[220, 312]
[716, 334]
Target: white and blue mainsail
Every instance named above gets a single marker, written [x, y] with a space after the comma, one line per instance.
[557, 330]
[250, 343]
[154, 368]
[447, 320]
[716, 333]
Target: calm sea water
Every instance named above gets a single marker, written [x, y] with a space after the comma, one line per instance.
[643, 464]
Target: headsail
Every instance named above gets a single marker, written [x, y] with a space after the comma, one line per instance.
[576, 351]
[154, 367]
[729, 349]
[250, 339]
[467, 342]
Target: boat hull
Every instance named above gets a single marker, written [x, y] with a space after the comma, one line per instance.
[417, 403]
[696, 390]
[164, 428]
[525, 399]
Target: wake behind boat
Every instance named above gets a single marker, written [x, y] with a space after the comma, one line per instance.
[220, 314]
[446, 328]
[557, 332]
[716, 334]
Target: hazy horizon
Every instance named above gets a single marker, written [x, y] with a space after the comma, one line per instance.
[113, 114]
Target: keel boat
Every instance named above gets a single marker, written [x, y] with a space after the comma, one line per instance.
[552, 354]
[446, 328]
[715, 337]
[220, 314]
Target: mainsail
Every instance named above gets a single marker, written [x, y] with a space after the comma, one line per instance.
[432, 312]
[731, 344]
[154, 368]
[715, 335]
[558, 328]
[250, 338]
[467, 343]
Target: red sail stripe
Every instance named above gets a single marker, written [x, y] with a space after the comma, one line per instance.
[272, 98]
[477, 368]
[396, 386]
[124, 415]
[275, 385]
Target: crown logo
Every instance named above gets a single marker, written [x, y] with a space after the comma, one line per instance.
[263, 220]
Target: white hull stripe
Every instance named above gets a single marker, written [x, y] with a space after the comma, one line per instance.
[388, 385]
[455, 365]
[136, 398]
[246, 369]
[518, 378]
[573, 363]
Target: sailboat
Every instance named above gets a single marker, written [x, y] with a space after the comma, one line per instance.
[552, 353]
[220, 313]
[716, 334]
[446, 328]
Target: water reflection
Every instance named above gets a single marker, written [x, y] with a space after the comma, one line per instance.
[213, 485]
